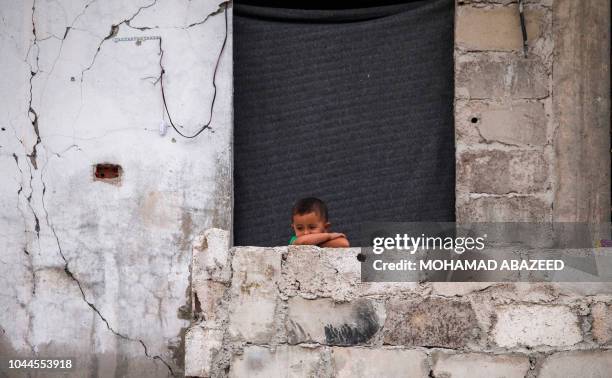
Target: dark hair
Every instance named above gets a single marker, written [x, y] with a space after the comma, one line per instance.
[309, 205]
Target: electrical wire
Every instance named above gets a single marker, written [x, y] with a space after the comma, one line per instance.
[161, 81]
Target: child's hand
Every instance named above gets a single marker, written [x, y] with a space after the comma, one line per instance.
[336, 235]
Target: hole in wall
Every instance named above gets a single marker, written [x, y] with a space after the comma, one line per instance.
[106, 172]
[474, 120]
[361, 257]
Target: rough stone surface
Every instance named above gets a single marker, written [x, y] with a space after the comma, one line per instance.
[496, 76]
[254, 293]
[581, 106]
[502, 172]
[432, 322]
[201, 345]
[503, 209]
[320, 272]
[479, 365]
[602, 323]
[362, 362]
[496, 28]
[207, 299]
[325, 322]
[518, 123]
[282, 361]
[595, 364]
[536, 325]
[210, 256]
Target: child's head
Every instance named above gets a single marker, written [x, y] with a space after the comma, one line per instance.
[309, 216]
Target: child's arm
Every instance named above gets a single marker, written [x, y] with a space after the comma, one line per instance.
[317, 239]
[340, 242]
[325, 239]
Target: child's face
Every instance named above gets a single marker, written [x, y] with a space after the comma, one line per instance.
[309, 223]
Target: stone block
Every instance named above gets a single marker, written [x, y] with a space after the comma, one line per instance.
[325, 322]
[593, 364]
[602, 323]
[282, 362]
[207, 299]
[518, 123]
[254, 294]
[536, 325]
[479, 365]
[314, 272]
[496, 28]
[366, 362]
[503, 209]
[495, 76]
[543, 3]
[432, 322]
[210, 256]
[449, 289]
[201, 346]
[502, 172]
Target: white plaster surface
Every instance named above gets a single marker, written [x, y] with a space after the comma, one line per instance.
[89, 268]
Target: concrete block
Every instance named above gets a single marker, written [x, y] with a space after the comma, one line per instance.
[201, 346]
[536, 325]
[449, 289]
[282, 362]
[503, 209]
[479, 365]
[314, 272]
[496, 28]
[364, 362]
[210, 256]
[518, 123]
[254, 294]
[502, 172]
[207, 299]
[602, 323]
[493, 76]
[543, 3]
[325, 322]
[432, 322]
[593, 364]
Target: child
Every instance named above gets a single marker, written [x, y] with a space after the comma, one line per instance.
[309, 222]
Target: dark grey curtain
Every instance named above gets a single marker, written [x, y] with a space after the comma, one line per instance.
[354, 106]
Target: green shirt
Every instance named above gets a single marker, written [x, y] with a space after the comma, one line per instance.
[292, 239]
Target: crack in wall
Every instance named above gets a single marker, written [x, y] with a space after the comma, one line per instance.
[32, 115]
[220, 8]
[160, 79]
[492, 141]
[113, 32]
[66, 32]
[78, 283]
[33, 162]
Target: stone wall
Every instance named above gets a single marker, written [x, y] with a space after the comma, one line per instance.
[302, 311]
[503, 112]
[532, 132]
[532, 144]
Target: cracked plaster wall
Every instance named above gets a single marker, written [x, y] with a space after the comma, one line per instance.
[92, 270]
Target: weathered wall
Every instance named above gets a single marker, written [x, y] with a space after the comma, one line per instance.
[503, 112]
[94, 270]
[302, 311]
[533, 133]
[533, 144]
